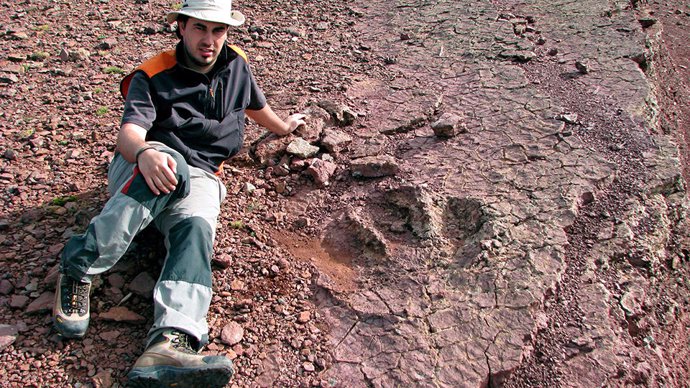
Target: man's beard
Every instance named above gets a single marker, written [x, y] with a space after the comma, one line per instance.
[196, 62]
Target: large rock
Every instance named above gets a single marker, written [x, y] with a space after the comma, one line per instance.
[301, 148]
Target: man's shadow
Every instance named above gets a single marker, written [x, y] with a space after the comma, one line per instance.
[31, 241]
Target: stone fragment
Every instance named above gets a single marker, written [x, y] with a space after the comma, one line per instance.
[19, 301]
[569, 118]
[362, 230]
[16, 57]
[79, 55]
[374, 166]
[14, 69]
[334, 140]
[269, 151]
[8, 78]
[301, 148]
[647, 22]
[321, 171]
[6, 287]
[583, 67]
[8, 334]
[51, 277]
[232, 333]
[103, 379]
[41, 304]
[116, 280]
[304, 317]
[114, 294]
[237, 285]
[121, 314]
[249, 188]
[631, 301]
[109, 336]
[317, 119]
[222, 260]
[142, 285]
[107, 44]
[64, 55]
[448, 125]
[342, 115]
[308, 367]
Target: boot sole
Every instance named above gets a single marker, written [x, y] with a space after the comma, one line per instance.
[168, 376]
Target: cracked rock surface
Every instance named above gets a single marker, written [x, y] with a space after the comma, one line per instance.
[486, 194]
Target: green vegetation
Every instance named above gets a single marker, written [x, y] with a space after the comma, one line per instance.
[237, 224]
[61, 201]
[43, 27]
[177, 6]
[101, 111]
[39, 56]
[98, 90]
[254, 205]
[27, 133]
[113, 70]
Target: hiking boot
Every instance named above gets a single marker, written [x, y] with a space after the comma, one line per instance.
[71, 307]
[171, 361]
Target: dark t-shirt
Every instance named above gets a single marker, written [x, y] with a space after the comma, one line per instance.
[199, 115]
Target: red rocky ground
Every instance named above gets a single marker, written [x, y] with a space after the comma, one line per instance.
[497, 195]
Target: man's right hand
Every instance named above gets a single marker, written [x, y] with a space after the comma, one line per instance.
[158, 169]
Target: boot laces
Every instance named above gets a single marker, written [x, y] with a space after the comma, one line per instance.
[77, 297]
[180, 342]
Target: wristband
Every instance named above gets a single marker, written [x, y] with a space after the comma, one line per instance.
[141, 151]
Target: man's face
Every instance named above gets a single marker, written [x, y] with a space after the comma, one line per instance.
[202, 42]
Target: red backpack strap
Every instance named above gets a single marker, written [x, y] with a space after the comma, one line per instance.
[150, 67]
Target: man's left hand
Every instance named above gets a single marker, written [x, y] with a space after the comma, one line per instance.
[294, 121]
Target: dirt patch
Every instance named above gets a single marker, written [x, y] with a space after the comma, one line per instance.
[332, 258]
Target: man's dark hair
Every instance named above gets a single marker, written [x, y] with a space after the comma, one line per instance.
[180, 19]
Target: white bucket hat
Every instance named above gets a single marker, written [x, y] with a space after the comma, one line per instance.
[217, 11]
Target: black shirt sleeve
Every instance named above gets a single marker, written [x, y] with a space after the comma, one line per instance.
[139, 108]
[257, 99]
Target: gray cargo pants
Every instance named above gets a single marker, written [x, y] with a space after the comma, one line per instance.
[186, 218]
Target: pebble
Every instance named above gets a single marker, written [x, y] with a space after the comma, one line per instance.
[232, 333]
[308, 367]
[304, 317]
